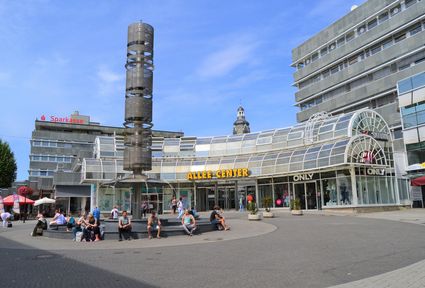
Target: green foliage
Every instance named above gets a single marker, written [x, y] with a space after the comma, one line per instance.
[252, 208]
[267, 203]
[7, 165]
[295, 204]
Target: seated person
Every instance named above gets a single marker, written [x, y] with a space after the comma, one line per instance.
[194, 213]
[92, 230]
[218, 220]
[70, 222]
[6, 216]
[39, 226]
[154, 224]
[59, 219]
[80, 224]
[124, 226]
[188, 222]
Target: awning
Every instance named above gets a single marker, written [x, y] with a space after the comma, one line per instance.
[72, 191]
[420, 181]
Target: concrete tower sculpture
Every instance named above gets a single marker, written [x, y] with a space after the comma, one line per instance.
[241, 126]
[138, 99]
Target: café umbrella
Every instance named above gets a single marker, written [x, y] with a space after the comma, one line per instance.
[22, 200]
[44, 200]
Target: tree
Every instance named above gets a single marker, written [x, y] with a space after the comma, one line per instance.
[7, 165]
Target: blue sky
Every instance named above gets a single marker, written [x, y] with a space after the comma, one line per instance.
[210, 56]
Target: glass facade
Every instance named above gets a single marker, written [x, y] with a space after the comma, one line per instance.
[320, 162]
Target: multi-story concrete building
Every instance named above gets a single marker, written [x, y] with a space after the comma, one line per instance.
[357, 61]
[411, 93]
[57, 145]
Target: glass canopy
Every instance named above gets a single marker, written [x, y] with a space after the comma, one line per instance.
[358, 138]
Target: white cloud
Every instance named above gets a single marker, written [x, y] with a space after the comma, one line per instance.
[222, 62]
[109, 82]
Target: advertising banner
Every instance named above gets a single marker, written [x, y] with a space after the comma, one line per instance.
[16, 204]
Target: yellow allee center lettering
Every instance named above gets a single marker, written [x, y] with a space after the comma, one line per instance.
[219, 174]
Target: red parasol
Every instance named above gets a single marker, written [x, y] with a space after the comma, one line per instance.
[22, 200]
[420, 181]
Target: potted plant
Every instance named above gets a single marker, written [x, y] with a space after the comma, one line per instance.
[296, 207]
[267, 203]
[253, 211]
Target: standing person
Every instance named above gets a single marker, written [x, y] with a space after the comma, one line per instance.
[241, 207]
[6, 218]
[144, 208]
[188, 222]
[154, 224]
[114, 213]
[124, 226]
[96, 214]
[174, 204]
[180, 208]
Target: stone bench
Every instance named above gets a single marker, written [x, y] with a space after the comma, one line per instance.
[170, 227]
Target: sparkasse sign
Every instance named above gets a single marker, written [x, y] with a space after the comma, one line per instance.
[56, 119]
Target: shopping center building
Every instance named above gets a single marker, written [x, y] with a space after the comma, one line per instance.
[329, 162]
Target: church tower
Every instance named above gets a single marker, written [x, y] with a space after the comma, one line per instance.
[241, 126]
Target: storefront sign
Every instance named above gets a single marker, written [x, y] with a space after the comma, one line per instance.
[219, 174]
[375, 171]
[303, 177]
[69, 120]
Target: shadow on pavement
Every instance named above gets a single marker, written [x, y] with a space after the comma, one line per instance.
[29, 267]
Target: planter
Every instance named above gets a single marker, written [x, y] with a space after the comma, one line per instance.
[297, 212]
[268, 214]
[254, 217]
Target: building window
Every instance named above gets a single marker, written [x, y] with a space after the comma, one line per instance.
[349, 36]
[398, 133]
[383, 17]
[375, 49]
[387, 43]
[314, 57]
[372, 24]
[409, 3]
[340, 42]
[332, 46]
[400, 37]
[416, 29]
[324, 51]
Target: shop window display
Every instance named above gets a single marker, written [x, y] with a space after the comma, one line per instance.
[281, 195]
[329, 192]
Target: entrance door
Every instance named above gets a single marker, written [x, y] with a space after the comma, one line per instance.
[226, 197]
[307, 194]
[310, 190]
[205, 198]
[299, 192]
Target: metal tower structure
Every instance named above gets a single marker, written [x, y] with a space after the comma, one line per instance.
[138, 99]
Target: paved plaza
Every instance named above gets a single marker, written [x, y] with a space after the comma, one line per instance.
[314, 250]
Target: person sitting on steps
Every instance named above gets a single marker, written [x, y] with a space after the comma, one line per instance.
[188, 222]
[124, 226]
[218, 220]
[154, 224]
